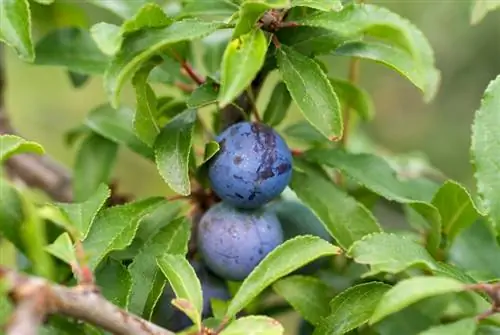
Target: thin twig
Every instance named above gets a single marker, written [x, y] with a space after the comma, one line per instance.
[81, 303]
[190, 71]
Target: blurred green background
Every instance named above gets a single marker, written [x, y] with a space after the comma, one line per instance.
[44, 105]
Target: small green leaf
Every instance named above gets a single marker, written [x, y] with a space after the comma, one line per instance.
[476, 250]
[184, 282]
[484, 151]
[254, 325]
[410, 291]
[482, 7]
[462, 327]
[115, 228]
[93, 165]
[72, 48]
[251, 11]
[283, 260]
[311, 40]
[208, 9]
[354, 97]
[82, 215]
[172, 149]
[33, 232]
[203, 95]
[308, 295]
[78, 79]
[390, 253]
[117, 125]
[456, 208]
[311, 91]
[141, 46]
[63, 249]
[346, 219]
[11, 145]
[11, 214]
[15, 27]
[114, 281]
[358, 20]
[242, 60]
[324, 5]
[352, 308]
[211, 148]
[172, 239]
[277, 106]
[107, 36]
[146, 122]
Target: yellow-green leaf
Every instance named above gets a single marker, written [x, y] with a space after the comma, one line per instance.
[15, 27]
[12, 145]
[254, 325]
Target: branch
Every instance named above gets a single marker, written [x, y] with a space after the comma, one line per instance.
[36, 171]
[36, 299]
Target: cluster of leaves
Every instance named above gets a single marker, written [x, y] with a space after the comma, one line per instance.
[381, 280]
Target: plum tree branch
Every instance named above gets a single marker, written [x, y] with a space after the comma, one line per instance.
[37, 298]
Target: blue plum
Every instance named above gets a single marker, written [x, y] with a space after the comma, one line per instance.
[233, 241]
[252, 167]
[212, 287]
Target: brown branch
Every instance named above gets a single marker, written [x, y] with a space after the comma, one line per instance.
[37, 298]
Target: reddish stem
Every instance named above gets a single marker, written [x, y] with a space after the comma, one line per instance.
[189, 69]
[276, 42]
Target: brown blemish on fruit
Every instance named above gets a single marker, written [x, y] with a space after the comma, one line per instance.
[237, 160]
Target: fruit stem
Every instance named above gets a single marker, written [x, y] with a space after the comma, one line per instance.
[253, 104]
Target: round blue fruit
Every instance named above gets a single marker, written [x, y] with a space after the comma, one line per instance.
[233, 241]
[252, 167]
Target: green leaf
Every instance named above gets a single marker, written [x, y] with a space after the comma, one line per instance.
[390, 253]
[122, 8]
[208, 9]
[354, 97]
[346, 219]
[33, 232]
[109, 37]
[358, 20]
[311, 91]
[78, 79]
[15, 27]
[352, 308]
[172, 149]
[117, 125]
[397, 59]
[82, 215]
[283, 260]
[214, 46]
[377, 175]
[63, 249]
[45, 2]
[304, 132]
[11, 214]
[115, 228]
[11, 145]
[184, 282]
[146, 122]
[72, 48]
[324, 5]
[277, 106]
[141, 46]
[114, 281]
[410, 291]
[242, 60]
[456, 208]
[251, 11]
[203, 95]
[172, 239]
[462, 327]
[311, 40]
[476, 250]
[254, 325]
[211, 148]
[482, 7]
[307, 295]
[484, 145]
[93, 165]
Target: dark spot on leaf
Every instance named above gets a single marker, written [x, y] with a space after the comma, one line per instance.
[237, 160]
